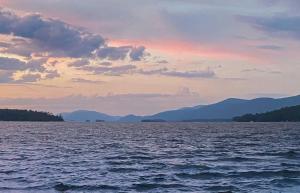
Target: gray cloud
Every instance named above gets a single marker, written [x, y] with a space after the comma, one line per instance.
[110, 70]
[120, 53]
[132, 69]
[33, 35]
[255, 70]
[51, 74]
[50, 34]
[182, 74]
[22, 47]
[6, 76]
[137, 53]
[81, 80]
[27, 78]
[191, 74]
[4, 44]
[80, 63]
[291, 4]
[36, 65]
[280, 26]
[105, 63]
[58, 39]
[114, 53]
[162, 62]
[270, 47]
[11, 64]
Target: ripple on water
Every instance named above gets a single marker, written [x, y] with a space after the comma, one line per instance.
[191, 167]
[286, 182]
[222, 188]
[152, 157]
[124, 170]
[150, 186]
[284, 154]
[65, 187]
[202, 175]
[267, 174]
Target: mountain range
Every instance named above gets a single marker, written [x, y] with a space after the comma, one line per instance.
[224, 110]
[83, 115]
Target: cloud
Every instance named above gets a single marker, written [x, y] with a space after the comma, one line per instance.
[270, 47]
[50, 34]
[255, 70]
[279, 26]
[110, 70]
[114, 53]
[29, 78]
[181, 74]
[105, 63]
[59, 39]
[291, 4]
[120, 53]
[22, 47]
[11, 64]
[80, 63]
[137, 53]
[36, 65]
[86, 81]
[4, 44]
[191, 74]
[132, 69]
[34, 36]
[33, 70]
[6, 76]
[162, 62]
[51, 74]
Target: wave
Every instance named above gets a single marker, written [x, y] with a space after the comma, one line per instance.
[246, 174]
[65, 187]
[286, 182]
[223, 189]
[191, 166]
[124, 170]
[267, 174]
[239, 159]
[285, 154]
[149, 186]
[8, 172]
[204, 175]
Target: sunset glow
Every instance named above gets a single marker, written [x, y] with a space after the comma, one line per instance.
[161, 54]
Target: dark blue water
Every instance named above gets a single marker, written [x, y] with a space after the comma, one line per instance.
[150, 157]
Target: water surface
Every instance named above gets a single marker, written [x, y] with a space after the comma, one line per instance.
[150, 157]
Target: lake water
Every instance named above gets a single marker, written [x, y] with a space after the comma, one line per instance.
[150, 157]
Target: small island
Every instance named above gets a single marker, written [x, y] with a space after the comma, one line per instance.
[287, 114]
[28, 115]
[153, 121]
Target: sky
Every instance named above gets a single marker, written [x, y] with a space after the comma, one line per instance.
[141, 57]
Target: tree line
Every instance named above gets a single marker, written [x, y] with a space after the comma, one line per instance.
[287, 114]
[28, 115]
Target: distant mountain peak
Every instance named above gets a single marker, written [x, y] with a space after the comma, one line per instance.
[233, 100]
[87, 115]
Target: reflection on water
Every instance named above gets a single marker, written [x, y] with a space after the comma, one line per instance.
[150, 157]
